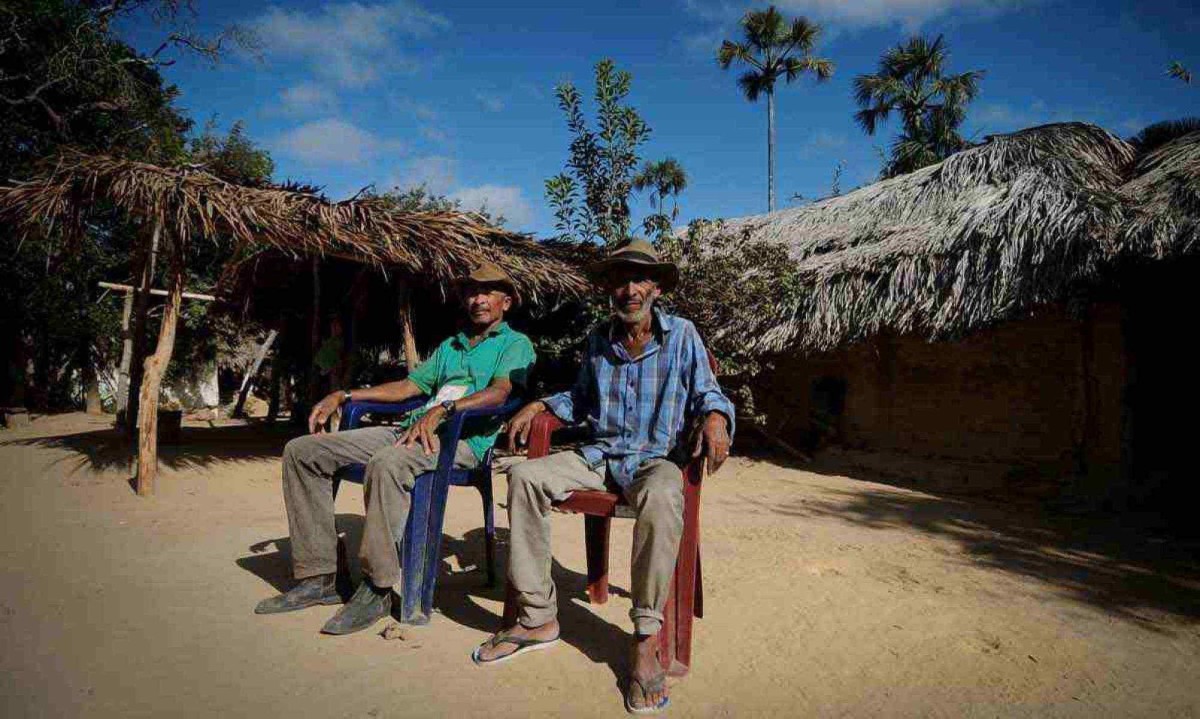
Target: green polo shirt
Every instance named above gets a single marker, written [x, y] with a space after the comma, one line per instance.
[503, 353]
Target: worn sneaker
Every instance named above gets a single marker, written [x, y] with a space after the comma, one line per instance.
[310, 592]
[368, 605]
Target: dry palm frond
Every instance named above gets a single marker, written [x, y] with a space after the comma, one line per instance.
[192, 204]
[992, 230]
[1165, 195]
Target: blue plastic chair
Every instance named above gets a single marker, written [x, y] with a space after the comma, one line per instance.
[420, 545]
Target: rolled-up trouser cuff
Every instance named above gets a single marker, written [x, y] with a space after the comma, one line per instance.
[646, 621]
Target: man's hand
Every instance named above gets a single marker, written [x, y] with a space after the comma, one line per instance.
[713, 441]
[323, 410]
[522, 421]
[424, 431]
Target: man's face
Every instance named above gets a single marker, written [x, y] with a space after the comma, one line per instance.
[485, 304]
[632, 292]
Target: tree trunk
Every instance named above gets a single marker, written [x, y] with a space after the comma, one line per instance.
[156, 366]
[141, 310]
[248, 379]
[91, 382]
[277, 367]
[411, 357]
[770, 150]
[122, 395]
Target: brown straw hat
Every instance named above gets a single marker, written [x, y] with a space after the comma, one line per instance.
[489, 274]
[640, 253]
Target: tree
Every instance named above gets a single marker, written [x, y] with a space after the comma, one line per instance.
[591, 199]
[664, 178]
[932, 105]
[773, 48]
[1179, 72]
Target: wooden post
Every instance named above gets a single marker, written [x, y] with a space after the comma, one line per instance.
[91, 383]
[248, 379]
[156, 366]
[411, 357]
[141, 310]
[277, 363]
[314, 337]
[122, 396]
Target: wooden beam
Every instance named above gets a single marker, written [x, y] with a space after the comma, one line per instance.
[122, 397]
[156, 366]
[412, 358]
[160, 293]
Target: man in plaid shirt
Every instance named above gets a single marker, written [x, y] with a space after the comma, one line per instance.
[646, 390]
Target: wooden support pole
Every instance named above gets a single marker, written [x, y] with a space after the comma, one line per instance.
[239, 409]
[313, 390]
[122, 396]
[140, 312]
[156, 366]
[412, 358]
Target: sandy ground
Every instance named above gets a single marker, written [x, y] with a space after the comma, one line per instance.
[825, 596]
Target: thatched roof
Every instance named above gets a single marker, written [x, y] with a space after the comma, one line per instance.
[1164, 193]
[995, 229]
[193, 204]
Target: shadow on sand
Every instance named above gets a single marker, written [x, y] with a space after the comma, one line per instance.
[1102, 559]
[459, 590]
[200, 447]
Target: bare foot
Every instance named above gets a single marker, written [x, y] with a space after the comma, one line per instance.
[492, 651]
[649, 673]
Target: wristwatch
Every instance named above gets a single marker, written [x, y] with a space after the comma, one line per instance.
[346, 398]
[450, 408]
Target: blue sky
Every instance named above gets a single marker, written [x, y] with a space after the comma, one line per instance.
[459, 96]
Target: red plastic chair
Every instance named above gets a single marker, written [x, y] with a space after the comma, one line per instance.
[686, 598]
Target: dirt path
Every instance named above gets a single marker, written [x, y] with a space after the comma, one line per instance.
[825, 596]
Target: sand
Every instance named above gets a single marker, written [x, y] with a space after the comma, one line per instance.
[826, 595]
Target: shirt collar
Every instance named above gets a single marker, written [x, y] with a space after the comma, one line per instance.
[660, 324]
[496, 331]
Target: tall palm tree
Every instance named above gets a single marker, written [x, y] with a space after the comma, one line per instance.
[664, 178]
[932, 105]
[773, 48]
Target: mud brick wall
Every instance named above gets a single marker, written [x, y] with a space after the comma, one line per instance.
[1045, 390]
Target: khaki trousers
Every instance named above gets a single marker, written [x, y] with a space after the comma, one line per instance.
[309, 463]
[656, 495]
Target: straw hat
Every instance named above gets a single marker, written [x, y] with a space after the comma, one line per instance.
[489, 274]
[637, 253]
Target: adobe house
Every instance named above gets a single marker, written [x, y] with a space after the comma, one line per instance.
[1011, 309]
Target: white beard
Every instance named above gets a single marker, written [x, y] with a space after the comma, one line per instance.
[631, 317]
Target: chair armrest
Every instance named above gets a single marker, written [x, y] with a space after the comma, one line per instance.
[543, 426]
[352, 412]
[509, 407]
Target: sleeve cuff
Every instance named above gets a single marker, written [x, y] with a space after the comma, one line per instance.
[560, 405]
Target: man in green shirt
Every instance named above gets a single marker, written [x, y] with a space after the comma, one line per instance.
[474, 369]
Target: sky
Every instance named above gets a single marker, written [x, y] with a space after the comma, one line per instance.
[459, 96]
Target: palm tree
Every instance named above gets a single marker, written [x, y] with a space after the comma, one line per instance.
[773, 48]
[931, 104]
[1177, 70]
[663, 178]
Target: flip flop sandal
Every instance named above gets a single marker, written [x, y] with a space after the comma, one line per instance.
[651, 686]
[523, 646]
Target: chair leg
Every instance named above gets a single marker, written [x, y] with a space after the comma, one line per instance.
[595, 534]
[699, 609]
[489, 527]
[412, 561]
[439, 492]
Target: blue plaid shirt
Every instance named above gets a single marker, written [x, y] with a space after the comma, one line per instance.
[641, 408]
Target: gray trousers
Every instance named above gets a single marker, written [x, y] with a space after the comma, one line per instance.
[657, 496]
[309, 463]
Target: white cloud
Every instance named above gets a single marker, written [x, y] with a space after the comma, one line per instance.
[434, 133]
[435, 172]
[307, 99]
[505, 200]
[490, 102]
[910, 14]
[335, 142]
[352, 43]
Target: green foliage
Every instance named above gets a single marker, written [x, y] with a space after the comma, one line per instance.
[66, 79]
[663, 178]
[932, 105]
[419, 199]
[732, 286]
[591, 198]
[233, 157]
